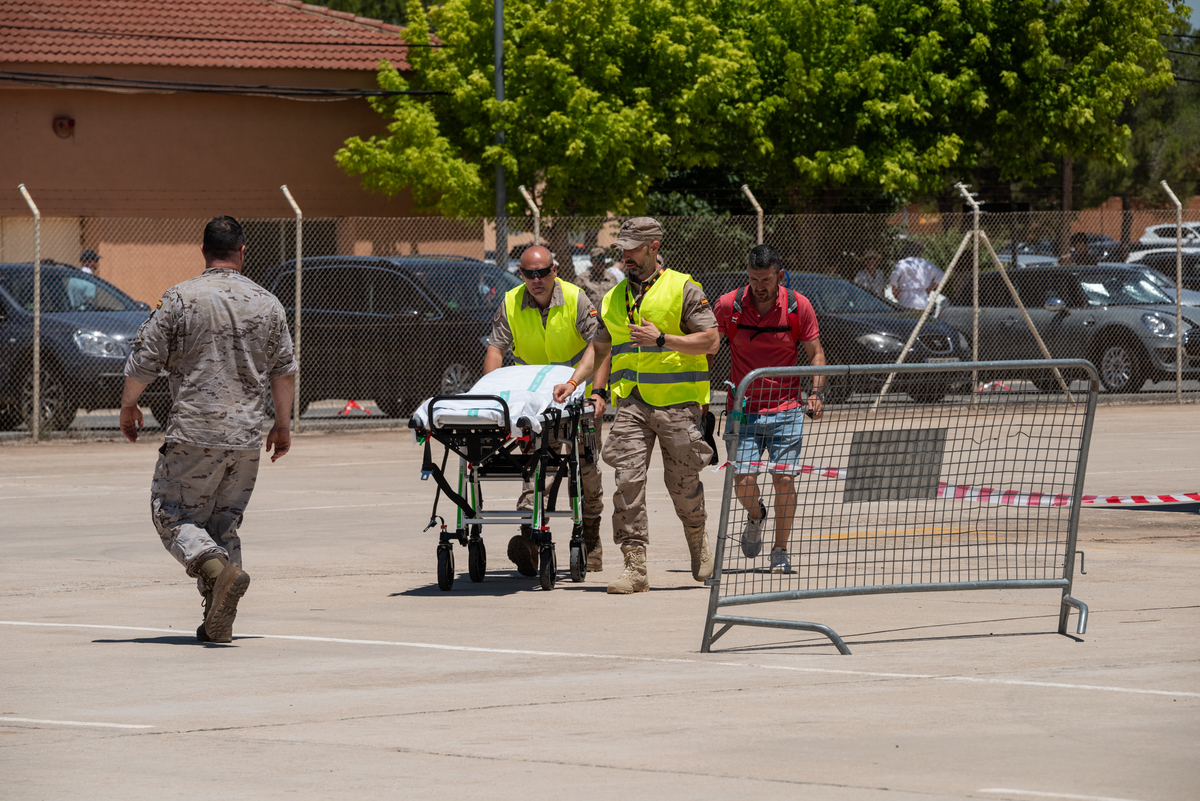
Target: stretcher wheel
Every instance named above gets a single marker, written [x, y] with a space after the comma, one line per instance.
[445, 568]
[578, 562]
[476, 559]
[549, 568]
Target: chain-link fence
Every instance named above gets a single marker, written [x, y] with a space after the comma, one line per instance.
[395, 310]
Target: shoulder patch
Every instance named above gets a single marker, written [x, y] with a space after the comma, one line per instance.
[703, 301]
[159, 305]
[592, 313]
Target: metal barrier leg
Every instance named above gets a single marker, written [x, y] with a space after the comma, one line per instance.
[1065, 613]
[794, 625]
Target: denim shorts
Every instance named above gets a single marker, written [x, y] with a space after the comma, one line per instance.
[778, 434]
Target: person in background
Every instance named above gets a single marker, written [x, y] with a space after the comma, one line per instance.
[870, 277]
[597, 281]
[914, 278]
[89, 261]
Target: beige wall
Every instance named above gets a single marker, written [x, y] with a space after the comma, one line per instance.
[185, 155]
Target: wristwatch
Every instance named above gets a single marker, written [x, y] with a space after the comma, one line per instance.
[602, 392]
[662, 340]
[820, 395]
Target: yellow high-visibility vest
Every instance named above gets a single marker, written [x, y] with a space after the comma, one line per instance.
[558, 342]
[663, 377]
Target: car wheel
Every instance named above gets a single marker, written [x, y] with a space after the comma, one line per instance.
[1122, 365]
[457, 379]
[57, 407]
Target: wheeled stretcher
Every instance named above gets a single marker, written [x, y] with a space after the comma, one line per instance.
[479, 427]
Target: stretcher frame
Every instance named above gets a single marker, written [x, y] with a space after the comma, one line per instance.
[489, 452]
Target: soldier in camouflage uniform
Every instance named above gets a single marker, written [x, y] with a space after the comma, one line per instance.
[223, 339]
[597, 281]
[659, 329]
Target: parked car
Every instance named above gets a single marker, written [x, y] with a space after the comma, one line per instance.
[1163, 235]
[1112, 316]
[857, 328]
[1190, 297]
[87, 326]
[1163, 260]
[393, 330]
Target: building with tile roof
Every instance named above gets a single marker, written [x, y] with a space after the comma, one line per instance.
[151, 108]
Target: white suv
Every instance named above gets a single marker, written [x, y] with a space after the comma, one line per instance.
[1163, 235]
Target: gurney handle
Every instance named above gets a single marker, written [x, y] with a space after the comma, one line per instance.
[496, 398]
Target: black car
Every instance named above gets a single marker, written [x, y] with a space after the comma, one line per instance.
[1113, 316]
[857, 328]
[86, 328]
[393, 330]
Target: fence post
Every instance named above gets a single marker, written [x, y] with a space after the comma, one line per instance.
[35, 419]
[1178, 293]
[297, 303]
[970, 198]
[757, 210]
[537, 215]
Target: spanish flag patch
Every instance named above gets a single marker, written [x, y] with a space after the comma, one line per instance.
[159, 306]
[703, 301]
[592, 313]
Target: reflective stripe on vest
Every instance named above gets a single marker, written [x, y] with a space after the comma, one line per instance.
[663, 377]
[558, 342]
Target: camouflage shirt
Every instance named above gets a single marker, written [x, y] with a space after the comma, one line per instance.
[222, 338]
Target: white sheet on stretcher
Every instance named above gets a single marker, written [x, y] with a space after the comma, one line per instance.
[528, 389]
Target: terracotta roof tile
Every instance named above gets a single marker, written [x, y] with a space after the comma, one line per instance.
[194, 33]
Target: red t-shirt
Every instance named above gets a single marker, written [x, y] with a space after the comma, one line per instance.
[751, 349]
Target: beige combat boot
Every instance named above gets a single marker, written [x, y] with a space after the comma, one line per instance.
[702, 555]
[633, 577]
[591, 541]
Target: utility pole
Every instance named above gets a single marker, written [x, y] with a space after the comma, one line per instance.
[501, 200]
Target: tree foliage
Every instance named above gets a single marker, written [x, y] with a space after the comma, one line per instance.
[606, 97]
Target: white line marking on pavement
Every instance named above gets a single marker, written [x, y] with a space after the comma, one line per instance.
[1054, 795]
[626, 658]
[6, 719]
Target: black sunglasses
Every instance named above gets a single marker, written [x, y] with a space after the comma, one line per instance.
[532, 274]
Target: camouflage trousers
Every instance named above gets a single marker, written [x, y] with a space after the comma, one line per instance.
[589, 477]
[628, 449]
[197, 498]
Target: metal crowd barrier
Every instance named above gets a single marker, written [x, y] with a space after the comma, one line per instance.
[979, 490]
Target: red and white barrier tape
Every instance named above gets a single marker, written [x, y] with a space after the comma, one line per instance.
[967, 492]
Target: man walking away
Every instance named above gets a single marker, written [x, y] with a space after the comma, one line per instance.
[765, 323]
[223, 339]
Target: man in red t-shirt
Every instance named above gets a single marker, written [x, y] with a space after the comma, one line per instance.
[765, 332]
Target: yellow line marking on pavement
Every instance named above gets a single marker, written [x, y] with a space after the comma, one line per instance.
[626, 658]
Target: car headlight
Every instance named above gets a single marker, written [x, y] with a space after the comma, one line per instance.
[97, 343]
[1158, 325]
[880, 343]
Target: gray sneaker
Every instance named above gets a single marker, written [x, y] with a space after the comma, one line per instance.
[752, 533]
[779, 561]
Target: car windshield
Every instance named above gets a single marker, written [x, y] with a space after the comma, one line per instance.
[65, 291]
[1120, 289]
[835, 296]
[468, 287]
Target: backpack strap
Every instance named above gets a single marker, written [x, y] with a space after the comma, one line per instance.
[793, 316]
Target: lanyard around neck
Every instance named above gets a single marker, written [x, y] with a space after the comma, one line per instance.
[636, 303]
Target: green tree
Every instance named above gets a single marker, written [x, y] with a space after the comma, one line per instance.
[602, 96]
[885, 97]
